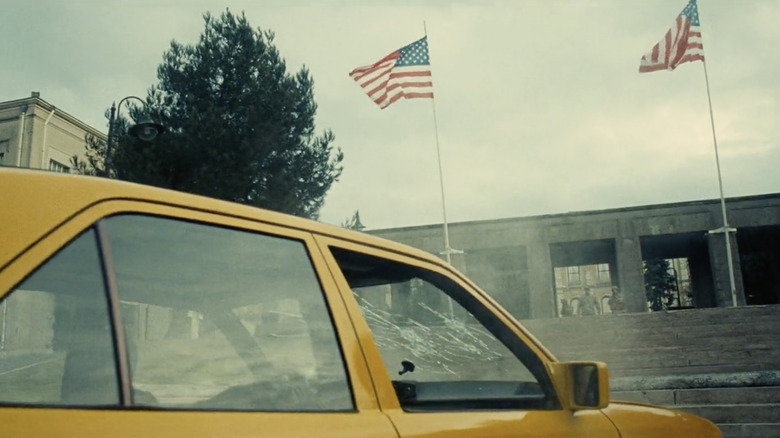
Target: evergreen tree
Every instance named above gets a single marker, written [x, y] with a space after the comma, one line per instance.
[238, 126]
[660, 284]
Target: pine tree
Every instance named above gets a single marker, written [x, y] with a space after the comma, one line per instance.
[660, 284]
[239, 127]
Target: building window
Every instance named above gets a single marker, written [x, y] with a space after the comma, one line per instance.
[573, 274]
[604, 272]
[56, 166]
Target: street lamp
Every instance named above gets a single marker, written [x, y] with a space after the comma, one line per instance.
[146, 130]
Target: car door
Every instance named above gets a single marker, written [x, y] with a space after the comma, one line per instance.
[138, 319]
[445, 360]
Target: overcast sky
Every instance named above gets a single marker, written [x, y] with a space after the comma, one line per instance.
[540, 106]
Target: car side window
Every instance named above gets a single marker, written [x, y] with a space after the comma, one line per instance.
[56, 345]
[222, 319]
[442, 349]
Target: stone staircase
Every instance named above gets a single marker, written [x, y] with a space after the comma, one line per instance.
[739, 411]
[722, 364]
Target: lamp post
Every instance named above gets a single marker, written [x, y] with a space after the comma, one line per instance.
[146, 130]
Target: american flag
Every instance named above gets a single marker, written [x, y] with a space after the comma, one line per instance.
[405, 73]
[682, 43]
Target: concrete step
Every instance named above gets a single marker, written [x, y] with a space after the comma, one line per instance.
[676, 360]
[704, 396]
[616, 371]
[740, 412]
[714, 351]
[729, 396]
[696, 381]
[565, 340]
[660, 397]
[754, 430]
[768, 413]
[759, 350]
[645, 335]
[641, 330]
[722, 364]
[660, 371]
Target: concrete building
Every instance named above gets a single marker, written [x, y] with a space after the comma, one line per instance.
[35, 134]
[532, 264]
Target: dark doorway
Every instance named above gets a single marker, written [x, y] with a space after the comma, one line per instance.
[691, 247]
[759, 255]
[583, 265]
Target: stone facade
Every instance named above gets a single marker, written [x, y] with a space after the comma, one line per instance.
[515, 260]
[35, 134]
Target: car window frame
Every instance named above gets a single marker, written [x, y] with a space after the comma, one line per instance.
[387, 395]
[51, 250]
[90, 217]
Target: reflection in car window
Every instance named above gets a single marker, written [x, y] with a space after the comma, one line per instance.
[56, 346]
[222, 319]
[435, 342]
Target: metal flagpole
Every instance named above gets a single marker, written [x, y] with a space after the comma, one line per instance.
[725, 229]
[447, 249]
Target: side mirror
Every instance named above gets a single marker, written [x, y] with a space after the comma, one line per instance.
[581, 385]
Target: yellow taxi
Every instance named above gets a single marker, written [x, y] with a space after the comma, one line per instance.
[132, 311]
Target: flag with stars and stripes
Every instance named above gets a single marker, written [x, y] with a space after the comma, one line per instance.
[404, 73]
[682, 43]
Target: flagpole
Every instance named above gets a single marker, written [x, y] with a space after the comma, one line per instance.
[726, 230]
[685, 44]
[447, 249]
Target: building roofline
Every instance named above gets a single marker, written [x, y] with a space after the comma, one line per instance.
[46, 106]
[703, 202]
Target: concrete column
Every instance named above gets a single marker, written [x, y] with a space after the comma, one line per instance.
[701, 279]
[540, 281]
[720, 269]
[628, 253]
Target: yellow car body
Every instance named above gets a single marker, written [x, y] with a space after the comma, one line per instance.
[134, 311]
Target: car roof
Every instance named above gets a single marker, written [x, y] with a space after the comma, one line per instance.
[35, 202]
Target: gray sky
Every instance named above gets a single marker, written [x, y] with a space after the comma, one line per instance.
[539, 104]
